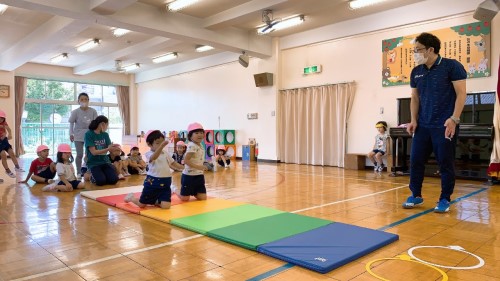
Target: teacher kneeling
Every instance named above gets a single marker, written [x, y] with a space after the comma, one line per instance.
[97, 146]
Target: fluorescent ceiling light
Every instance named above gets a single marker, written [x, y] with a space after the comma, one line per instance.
[88, 45]
[204, 48]
[59, 58]
[356, 4]
[117, 32]
[177, 5]
[131, 67]
[3, 7]
[286, 23]
[165, 57]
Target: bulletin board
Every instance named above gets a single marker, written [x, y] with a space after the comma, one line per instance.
[470, 44]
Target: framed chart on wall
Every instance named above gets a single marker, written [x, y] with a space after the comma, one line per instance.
[4, 91]
[470, 44]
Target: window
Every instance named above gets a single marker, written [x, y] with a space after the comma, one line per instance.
[48, 107]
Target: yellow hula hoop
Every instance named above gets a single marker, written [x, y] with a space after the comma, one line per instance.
[402, 258]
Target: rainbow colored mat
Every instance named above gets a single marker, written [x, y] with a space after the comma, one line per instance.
[313, 243]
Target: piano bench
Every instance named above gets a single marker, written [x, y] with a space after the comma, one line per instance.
[354, 161]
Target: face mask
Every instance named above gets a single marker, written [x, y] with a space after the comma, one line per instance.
[84, 104]
[419, 58]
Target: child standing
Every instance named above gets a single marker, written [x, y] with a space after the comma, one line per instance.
[221, 158]
[5, 136]
[380, 147]
[192, 179]
[156, 189]
[178, 155]
[135, 163]
[43, 168]
[65, 171]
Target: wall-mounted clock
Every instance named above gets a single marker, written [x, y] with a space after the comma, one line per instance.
[4, 91]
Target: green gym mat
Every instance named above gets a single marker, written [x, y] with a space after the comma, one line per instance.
[218, 219]
[253, 233]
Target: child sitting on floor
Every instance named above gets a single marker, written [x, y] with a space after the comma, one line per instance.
[42, 169]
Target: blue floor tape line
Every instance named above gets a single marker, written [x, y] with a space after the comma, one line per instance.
[271, 273]
[429, 210]
[289, 265]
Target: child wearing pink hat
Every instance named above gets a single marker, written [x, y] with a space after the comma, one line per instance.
[65, 171]
[42, 169]
[221, 158]
[5, 147]
[192, 179]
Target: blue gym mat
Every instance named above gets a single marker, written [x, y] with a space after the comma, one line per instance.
[328, 247]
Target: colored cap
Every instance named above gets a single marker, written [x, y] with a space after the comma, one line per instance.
[194, 126]
[221, 147]
[63, 147]
[2, 114]
[180, 143]
[381, 124]
[41, 148]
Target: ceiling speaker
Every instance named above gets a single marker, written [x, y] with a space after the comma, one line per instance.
[244, 60]
[487, 10]
[263, 79]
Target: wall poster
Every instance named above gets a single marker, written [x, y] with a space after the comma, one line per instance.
[470, 44]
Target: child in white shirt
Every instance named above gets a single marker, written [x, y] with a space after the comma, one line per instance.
[156, 189]
[65, 171]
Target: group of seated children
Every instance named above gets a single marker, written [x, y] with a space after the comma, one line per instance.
[43, 169]
[126, 166]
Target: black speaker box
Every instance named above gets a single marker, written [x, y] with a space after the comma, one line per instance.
[263, 79]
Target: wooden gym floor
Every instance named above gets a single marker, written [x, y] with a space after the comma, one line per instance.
[64, 236]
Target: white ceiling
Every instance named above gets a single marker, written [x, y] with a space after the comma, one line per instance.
[37, 30]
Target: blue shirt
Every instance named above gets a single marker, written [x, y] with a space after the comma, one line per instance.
[435, 90]
[99, 141]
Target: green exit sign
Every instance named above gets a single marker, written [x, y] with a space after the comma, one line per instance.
[312, 69]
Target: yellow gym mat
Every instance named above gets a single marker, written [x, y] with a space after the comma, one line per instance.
[189, 209]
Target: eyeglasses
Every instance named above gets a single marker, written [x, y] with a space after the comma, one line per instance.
[416, 50]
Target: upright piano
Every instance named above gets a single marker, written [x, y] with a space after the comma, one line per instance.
[474, 145]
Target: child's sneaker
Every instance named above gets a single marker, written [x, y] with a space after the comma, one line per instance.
[380, 168]
[143, 172]
[50, 187]
[92, 179]
[375, 167]
[412, 202]
[10, 174]
[19, 169]
[126, 174]
[121, 177]
[443, 206]
[50, 181]
[129, 197]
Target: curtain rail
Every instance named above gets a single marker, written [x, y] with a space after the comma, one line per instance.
[342, 82]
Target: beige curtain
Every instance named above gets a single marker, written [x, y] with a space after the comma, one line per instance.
[20, 95]
[122, 93]
[312, 124]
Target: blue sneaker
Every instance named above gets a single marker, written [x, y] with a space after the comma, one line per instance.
[412, 202]
[443, 206]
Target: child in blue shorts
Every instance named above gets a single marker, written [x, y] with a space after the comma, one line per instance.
[156, 189]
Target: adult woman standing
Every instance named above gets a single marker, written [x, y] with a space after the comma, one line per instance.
[79, 122]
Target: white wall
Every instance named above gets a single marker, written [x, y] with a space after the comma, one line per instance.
[359, 58]
[227, 91]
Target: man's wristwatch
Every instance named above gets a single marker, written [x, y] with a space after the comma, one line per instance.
[456, 120]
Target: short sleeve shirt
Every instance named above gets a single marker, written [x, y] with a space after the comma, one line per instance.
[38, 166]
[66, 170]
[82, 119]
[99, 141]
[381, 142]
[160, 167]
[435, 90]
[198, 158]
